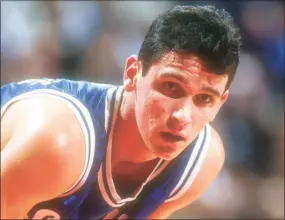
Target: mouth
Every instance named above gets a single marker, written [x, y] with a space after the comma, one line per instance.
[170, 137]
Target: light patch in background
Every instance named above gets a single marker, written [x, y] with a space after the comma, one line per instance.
[22, 23]
[230, 196]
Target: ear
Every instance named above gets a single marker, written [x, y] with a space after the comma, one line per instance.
[224, 97]
[130, 72]
[223, 100]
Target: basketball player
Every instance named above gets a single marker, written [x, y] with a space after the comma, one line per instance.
[76, 149]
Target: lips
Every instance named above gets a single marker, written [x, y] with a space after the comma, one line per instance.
[170, 137]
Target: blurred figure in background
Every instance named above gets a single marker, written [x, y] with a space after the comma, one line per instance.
[29, 40]
[43, 39]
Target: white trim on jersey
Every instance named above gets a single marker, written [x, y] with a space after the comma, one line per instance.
[107, 107]
[108, 162]
[159, 170]
[71, 103]
[110, 183]
[108, 113]
[191, 163]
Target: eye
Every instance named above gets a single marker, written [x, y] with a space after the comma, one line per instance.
[172, 89]
[204, 99]
[171, 86]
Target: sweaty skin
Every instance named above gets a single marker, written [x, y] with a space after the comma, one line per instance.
[42, 149]
[47, 157]
[149, 107]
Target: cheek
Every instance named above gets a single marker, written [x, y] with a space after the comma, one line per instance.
[154, 106]
[154, 109]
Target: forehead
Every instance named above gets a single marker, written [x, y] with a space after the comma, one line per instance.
[181, 60]
[190, 66]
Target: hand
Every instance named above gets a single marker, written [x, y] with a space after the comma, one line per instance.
[115, 214]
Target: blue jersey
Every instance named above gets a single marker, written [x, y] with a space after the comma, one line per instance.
[94, 194]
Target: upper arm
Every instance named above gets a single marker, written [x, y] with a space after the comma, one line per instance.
[210, 168]
[37, 158]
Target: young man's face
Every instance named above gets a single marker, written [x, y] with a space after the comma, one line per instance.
[174, 101]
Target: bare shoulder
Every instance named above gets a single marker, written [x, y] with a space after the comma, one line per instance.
[44, 119]
[209, 170]
[216, 150]
[43, 146]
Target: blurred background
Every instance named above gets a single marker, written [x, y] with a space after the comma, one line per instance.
[91, 41]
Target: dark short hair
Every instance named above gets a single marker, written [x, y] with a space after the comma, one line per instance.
[205, 31]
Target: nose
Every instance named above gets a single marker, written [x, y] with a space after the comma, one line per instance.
[180, 118]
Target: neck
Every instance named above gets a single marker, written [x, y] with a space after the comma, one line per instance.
[128, 145]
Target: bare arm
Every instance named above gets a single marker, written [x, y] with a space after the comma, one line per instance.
[37, 154]
[210, 169]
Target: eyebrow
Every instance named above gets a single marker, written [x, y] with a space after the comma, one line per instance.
[186, 81]
[212, 90]
[176, 76]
